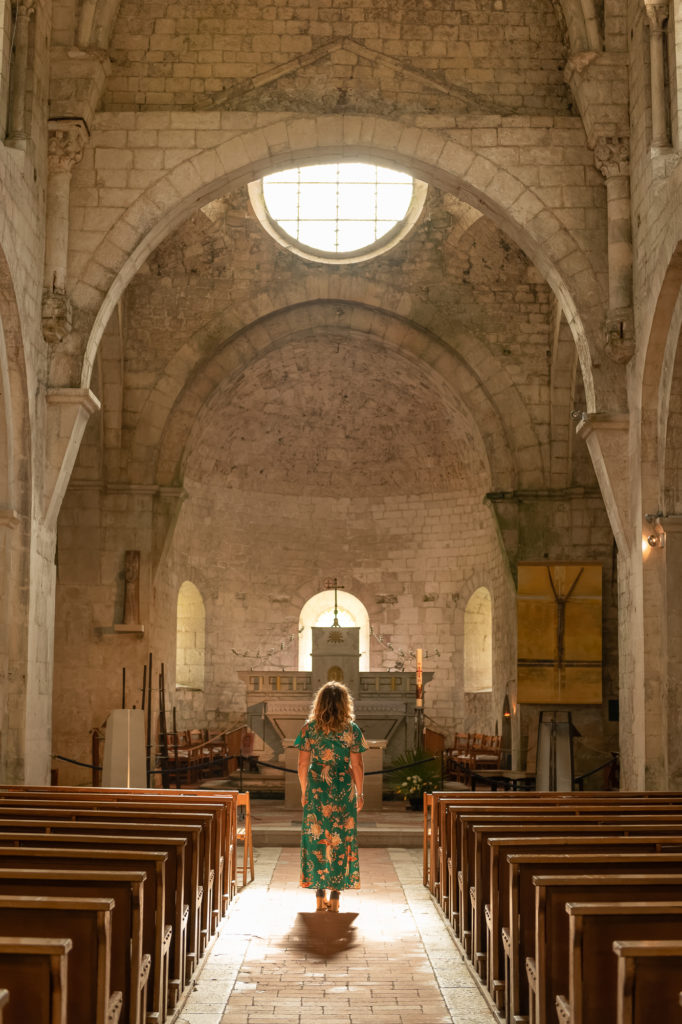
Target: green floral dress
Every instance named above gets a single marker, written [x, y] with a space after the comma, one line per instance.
[329, 836]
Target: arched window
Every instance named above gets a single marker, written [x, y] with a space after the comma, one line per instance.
[319, 611]
[339, 212]
[478, 642]
[191, 638]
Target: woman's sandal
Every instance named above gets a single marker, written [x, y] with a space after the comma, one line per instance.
[322, 903]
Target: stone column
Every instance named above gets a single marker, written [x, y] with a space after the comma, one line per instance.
[657, 13]
[611, 156]
[672, 630]
[65, 149]
[16, 128]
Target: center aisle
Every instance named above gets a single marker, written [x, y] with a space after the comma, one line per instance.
[393, 964]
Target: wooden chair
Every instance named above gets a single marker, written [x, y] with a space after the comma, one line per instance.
[244, 833]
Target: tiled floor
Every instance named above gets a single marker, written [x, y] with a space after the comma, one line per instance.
[277, 962]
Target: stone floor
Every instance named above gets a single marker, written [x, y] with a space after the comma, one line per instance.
[277, 962]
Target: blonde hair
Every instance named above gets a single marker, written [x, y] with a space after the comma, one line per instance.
[332, 708]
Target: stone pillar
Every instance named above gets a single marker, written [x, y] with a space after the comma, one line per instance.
[672, 628]
[16, 128]
[65, 149]
[657, 13]
[611, 157]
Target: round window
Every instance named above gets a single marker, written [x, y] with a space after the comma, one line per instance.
[340, 212]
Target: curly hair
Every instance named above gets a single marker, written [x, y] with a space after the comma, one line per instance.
[332, 708]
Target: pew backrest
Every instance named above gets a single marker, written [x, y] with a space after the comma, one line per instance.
[36, 972]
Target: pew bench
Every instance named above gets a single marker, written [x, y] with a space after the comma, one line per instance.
[518, 921]
[87, 923]
[648, 981]
[183, 897]
[155, 935]
[193, 925]
[491, 877]
[129, 966]
[593, 976]
[574, 804]
[222, 804]
[548, 971]
[35, 970]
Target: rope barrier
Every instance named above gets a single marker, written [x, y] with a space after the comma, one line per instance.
[265, 764]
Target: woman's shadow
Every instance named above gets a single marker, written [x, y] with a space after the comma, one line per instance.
[322, 934]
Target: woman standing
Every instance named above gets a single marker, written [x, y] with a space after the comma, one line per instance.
[331, 774]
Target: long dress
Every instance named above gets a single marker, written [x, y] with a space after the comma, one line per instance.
[329, 834]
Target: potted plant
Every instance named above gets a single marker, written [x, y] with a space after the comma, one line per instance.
[419, 773]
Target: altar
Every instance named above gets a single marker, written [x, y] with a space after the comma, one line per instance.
[278, 704]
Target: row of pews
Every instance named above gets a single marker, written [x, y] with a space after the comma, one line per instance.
[567, 905]
[109, 899]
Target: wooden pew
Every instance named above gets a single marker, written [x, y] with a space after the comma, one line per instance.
[129, 966]
[222, 804]
[155, 936]
[35, 970]
[87, 922]
[516, 958]
[648, 981]
[517, 923]
[593, 976]
[440, 820]
[4, 999]
[544, 806]
[204, 848]
[99, 837]
[183, 898]
[488, 880]
[476, 884]
[548, 971]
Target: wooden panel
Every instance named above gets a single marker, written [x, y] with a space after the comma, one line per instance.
[559, 608]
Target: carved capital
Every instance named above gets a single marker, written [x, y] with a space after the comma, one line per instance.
[66, 142]
[612, 156]
[578, 63]
[25, 11]
[657, 13]
[619, 340]
[57, 316]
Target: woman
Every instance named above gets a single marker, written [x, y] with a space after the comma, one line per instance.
[331, 774]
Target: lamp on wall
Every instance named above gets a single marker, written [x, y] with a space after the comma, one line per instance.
[656, 538]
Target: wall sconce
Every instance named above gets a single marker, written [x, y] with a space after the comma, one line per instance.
[655, 539]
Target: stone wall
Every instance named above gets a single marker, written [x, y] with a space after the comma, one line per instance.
[173, 55]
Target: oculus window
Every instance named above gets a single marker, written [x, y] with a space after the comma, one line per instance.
[340, 212]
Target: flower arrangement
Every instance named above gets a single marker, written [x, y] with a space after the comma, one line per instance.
[413, 785]
[415, 779]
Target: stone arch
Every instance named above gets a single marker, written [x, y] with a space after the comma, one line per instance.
[349, 606]
[478, 642]
[657, 377]
[467, 373]
[481, 181]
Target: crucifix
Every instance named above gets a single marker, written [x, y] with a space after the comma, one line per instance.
[328, 584]
[335, 634]
[561, 601]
